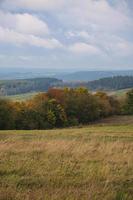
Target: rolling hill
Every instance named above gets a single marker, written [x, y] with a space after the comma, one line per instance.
[111, 83]
[13, 87]
[23, 86]
[92, 75]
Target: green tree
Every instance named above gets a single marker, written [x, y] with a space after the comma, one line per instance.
[58, 111]
[128, 107]
[81, 106]
[104, 104]
[6, 115]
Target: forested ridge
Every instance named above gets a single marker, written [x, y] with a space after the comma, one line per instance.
[62, 108]
[111, 83]
[12, 87]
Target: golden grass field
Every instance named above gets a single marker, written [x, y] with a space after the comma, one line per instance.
[87, 163]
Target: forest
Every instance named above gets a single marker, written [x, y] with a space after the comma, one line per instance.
[13, 87]
[111, 83]
[62, 108]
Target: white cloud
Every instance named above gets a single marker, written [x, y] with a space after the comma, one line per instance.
[95, 16]
[113, 45]
[83, 48]
[35, 4]
[90, 27]
[79, 34]
[122, 48]
[25, 29]
[24, 23]
[16, 38]
[109, 44]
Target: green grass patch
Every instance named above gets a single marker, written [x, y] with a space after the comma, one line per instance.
[92, 162]
[22, 97]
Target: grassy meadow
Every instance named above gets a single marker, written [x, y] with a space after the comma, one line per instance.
[85, 163]
[119, 93]
[22, 97]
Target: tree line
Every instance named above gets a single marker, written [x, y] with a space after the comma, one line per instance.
[111, 83]
[12, 87]
[61, 108]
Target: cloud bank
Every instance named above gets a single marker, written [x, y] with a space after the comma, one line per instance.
[72, 31]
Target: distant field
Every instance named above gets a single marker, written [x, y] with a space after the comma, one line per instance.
[119, 93]
[90, 163]
[122, 92]
[22, 97]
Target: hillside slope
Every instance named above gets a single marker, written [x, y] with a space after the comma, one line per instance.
[93, 75]
[111, 83]
[93, 162]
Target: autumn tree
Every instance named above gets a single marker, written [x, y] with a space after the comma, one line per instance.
[104, 104]
[80, 106]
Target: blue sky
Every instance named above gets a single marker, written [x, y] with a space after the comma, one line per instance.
[66, 34]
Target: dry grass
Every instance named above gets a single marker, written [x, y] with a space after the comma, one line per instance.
[90, 163]
[117, 120]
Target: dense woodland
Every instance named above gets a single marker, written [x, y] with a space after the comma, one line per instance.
[62, 108]
[14, 87]
[111, 83]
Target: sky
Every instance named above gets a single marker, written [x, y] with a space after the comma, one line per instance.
[66, 34]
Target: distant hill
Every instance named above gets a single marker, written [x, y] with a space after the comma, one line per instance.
[26, 73]
[93, 75]
[13, 87]
[22, 86]
[65, 75]
[111, 83]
